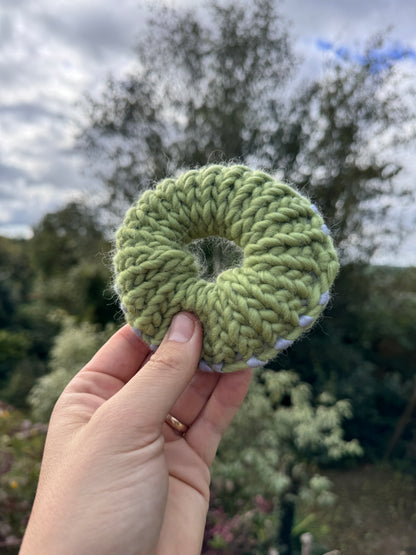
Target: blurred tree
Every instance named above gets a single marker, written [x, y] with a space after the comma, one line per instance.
[83, 291]
[73, 347]
[64, 238]
[363, 350]
[16, 343]
[14, 347]
[62, 267]
[274, 446]
[68, 252]
[388, 331]
[336, 143]
[199, 94]
[16, 275]
[212, 87]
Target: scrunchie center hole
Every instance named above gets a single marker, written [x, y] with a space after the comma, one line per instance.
[215, 254]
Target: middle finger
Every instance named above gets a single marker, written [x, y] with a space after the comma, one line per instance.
[189, 405]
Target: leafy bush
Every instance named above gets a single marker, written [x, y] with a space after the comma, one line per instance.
[21, 447]
[73, 347]
[270, 455]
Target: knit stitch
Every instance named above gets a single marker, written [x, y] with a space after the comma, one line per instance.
[249, 313]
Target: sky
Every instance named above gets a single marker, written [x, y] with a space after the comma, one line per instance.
[53, 52]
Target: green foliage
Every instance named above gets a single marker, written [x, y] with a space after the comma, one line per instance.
[14, 353]
[13, 345]
[82, 291]
[15, 278]
[274, 447]
[73, 347]
[287, 433]
[68, 252]
[18, 345]
[363, 350]
[65, 238]
[62, 267]
[21, 446]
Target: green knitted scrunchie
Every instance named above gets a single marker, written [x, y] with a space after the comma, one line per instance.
[249, 313]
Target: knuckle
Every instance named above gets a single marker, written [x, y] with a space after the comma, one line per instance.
[166, 361]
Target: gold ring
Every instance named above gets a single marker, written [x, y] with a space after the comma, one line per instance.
[176, 425]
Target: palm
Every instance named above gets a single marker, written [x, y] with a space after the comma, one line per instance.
[206, 406]
[179, 465]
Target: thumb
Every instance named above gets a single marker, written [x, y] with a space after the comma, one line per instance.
[149, 395]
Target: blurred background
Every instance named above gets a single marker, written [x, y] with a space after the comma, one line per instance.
[99, 101]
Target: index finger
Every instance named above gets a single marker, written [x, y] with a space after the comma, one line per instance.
[121, 357]
[206, 432]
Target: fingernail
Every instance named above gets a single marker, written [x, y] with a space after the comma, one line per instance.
[182, 328]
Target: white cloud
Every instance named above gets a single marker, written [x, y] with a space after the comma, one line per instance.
[51, 53]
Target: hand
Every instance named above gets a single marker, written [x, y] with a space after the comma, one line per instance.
[115, 478]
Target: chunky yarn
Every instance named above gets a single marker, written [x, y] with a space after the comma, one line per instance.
[249, 313]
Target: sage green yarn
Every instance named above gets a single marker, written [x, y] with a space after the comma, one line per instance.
[249, 313]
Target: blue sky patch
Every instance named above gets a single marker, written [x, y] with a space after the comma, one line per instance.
[378, 59]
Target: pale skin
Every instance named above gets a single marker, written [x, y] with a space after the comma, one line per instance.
[115, 478]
